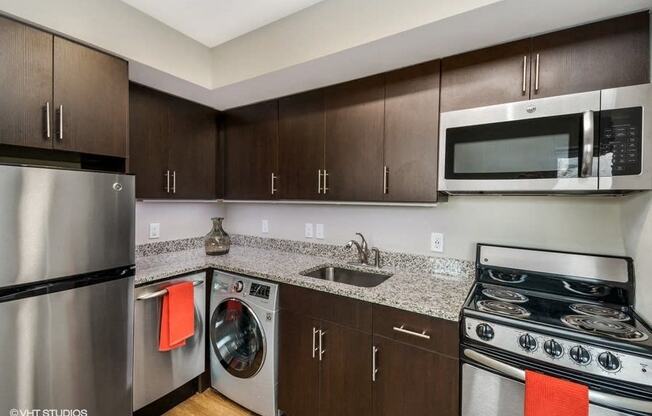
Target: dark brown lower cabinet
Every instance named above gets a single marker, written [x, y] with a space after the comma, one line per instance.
[413, 381]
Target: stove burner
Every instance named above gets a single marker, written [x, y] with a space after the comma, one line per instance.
[502, 308]
[587, 289]
[599, 311]
[507, 277]
[604, 326]
[504, 295]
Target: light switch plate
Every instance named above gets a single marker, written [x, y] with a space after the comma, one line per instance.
[265, 226]
[154, 230]
[437, 242]
[319, 231]
[308, 230]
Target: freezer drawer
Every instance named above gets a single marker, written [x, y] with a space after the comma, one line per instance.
[71, 349]
[158, 373]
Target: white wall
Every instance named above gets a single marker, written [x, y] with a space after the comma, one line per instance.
[177, 219]
[565, 223]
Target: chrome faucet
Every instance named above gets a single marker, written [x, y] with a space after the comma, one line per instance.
[363, 251]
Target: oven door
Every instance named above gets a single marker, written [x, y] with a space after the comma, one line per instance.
[537, 146]
[493, 388]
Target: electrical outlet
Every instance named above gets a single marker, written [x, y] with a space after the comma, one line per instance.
[308, 231]
[154, 230]
[437, 242]
[319, 231]
[265, 226]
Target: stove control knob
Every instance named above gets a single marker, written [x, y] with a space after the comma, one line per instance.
[238, 286]
[553, 348]
[608, 361]
[580, 355]
[485, 332]
[527, 342]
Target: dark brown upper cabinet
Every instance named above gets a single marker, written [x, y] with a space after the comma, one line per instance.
[172, 146]
[251, 136]
[25, 85]
[354, 126]
[495, 75]
[91, 100]
[301, 146]
[60, 94]
[608, 54]
[411, 133]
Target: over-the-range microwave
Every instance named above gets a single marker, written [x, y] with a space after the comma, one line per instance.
[598, 141]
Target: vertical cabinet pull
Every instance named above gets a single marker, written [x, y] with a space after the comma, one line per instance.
[274, 178]
[374, 362]
[325, 188]
[167, 181]
[314, 341]
[48, 127]
[60, 115]
[524, 87]
[319, 181]
[385, 180]
[536, 75]
[174, 181]
[321, 343]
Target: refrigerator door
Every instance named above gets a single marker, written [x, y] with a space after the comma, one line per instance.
[69, 349]
[56, 223]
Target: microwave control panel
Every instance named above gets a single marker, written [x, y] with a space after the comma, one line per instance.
[621, 141]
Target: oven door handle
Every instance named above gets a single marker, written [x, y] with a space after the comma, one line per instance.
[588, 137]
[595, 397]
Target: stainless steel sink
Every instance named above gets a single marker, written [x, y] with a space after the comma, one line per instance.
[348, 276]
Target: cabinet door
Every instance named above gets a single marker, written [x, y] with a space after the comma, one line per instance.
[92, 89]
[301, 145]
[251, 145]
[149, 141]
[607, 54]
[395, 391]
[411, 133]
[345, 387]
[298, 365]
[25, 85]
[495, 75]
[354, 140]
[193, 150]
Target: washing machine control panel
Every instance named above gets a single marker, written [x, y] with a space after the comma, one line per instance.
[260, 291]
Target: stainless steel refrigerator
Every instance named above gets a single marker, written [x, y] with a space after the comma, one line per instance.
[66, 290]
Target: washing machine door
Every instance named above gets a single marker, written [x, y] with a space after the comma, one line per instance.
[237, 338]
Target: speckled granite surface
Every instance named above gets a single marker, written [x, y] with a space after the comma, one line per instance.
[437, 295]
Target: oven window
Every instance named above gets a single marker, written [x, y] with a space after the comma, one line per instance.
[524, 149]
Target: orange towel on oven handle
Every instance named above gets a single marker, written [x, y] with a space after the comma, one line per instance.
[551, 396]
[177, 316]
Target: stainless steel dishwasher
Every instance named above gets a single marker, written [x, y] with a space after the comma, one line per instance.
[158, 373]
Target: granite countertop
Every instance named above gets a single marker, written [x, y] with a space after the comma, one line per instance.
[436, 295]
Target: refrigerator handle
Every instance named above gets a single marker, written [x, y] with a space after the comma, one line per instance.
[588, 137]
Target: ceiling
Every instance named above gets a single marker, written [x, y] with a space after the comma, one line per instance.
[213, 22]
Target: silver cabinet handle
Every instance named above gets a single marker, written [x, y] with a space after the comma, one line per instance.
[325, 188]
[60, 114]
[321, 343]
[385, 180]
[163, 292]
[48, 127]
[402, 330]
[274, 178]
[536, 75]
[319, 181]
[595, 397]
[314, 341]
[374, 369]
[167, 181]
[524, 88]
[174, 181]
[588, 134]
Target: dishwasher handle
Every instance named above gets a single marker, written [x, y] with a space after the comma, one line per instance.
[164, 292]
[595, 397]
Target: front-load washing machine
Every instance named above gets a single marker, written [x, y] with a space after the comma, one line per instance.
[243, 334]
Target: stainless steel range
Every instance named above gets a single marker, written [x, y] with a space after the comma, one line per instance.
[566, 315]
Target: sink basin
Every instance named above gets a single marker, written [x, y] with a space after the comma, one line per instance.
[347, 276]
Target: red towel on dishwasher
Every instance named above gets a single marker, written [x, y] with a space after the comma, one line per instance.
[550, 396]
[177, 316]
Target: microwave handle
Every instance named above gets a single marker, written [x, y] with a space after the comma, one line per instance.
[588, 136]
[595, 397]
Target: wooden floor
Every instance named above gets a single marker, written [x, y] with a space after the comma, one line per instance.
[208, 403]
